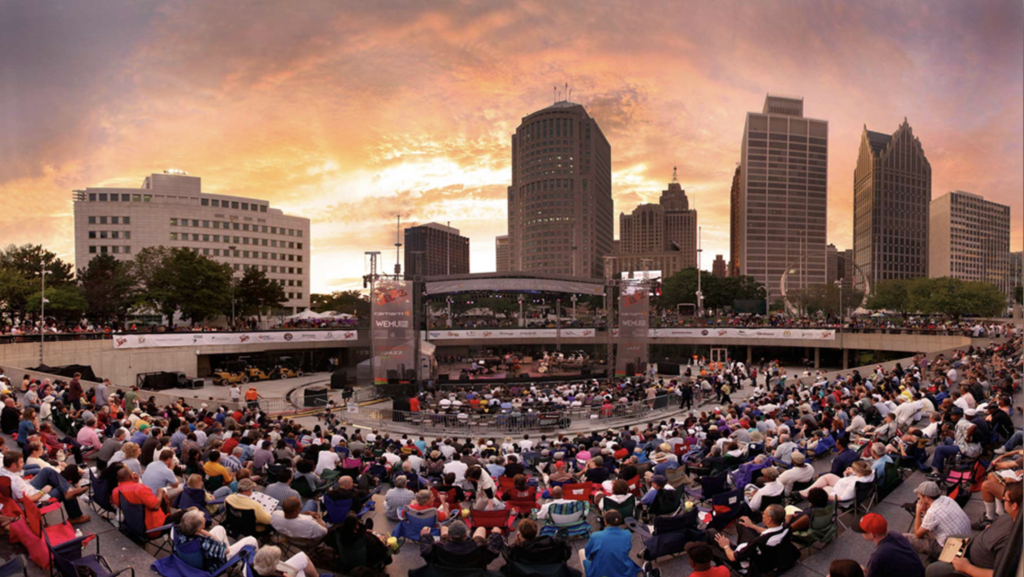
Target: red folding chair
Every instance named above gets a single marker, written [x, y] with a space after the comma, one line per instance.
[505, 484]
[5, 491]
[577, 491]
[490, 519]
[523, 502]
[29, 532]
[635, 487]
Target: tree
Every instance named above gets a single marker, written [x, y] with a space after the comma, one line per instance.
[892, 295]
[255, 293]
[1018, 294]
[956, 298]
[14, 292]
[718, 292]
[186, 282]
[27, 260]
[63, 302]
[109, 287]
[349, 302]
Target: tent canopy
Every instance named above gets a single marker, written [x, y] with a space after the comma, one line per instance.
[307, 315]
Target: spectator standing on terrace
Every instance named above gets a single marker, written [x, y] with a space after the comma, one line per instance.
[76, 392]
[103, 394]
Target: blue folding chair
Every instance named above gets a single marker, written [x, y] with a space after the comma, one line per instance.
[192, 497]
[99, 497]
[414, 521]
[133, 525]
[186, 560]
[66, 559]
[18, 564]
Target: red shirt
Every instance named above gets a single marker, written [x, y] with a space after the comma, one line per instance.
[139, 494]
[720, 571]
[414, 405]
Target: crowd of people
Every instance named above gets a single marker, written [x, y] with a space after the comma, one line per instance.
[947, 416]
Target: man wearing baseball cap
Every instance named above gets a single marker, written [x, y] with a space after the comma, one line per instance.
[893, 553]
[937, 518]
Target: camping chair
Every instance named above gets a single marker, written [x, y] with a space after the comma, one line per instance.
[349, 556]
[505, 484]
[5, 491]
[577, 491]
[726, 508]
[304, 489]
[710, 486]
[66, 559]
[185, 558]
[794, 494]
[192, 497]
[31, 533]
[99, 497]
[523, 503]
[779, 499]
[531, 459]
[133, 525]
[675, 477]
[669, 535]
[16, 565]
[863, 497]
[414, 521]
[626, 508]
[823, 529]
[636, 487]
[890, 481]
[213, 483]
[336, 511]
[571, 517]
[501, 518]
[242, 523]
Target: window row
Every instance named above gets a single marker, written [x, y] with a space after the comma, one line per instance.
[110, 220]
[225, 225]
[235, 204]
[110, 249]
[110, 234]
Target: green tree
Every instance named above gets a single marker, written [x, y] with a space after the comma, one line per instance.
[957, 298]
[109, 287]
[348, 302]
[63, 302]
[1018, 294]
[186, 282]
[718, 292]
[27, 260]
[14, 292]
[892, 295]
[255, 293]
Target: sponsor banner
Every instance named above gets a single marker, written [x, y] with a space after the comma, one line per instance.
[734, 333]
[137, 341]
[393, 332]
[508, 333]
[518, 284]
[633, 334]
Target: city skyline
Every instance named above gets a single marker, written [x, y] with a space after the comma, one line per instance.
[345, 114]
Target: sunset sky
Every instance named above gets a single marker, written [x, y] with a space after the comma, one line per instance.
[350, 113]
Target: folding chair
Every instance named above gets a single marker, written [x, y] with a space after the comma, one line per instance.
[336, 511]
[726, 508]
[5, 491]
[133, 525]
[242, 523]
[571, 517]
[710, 486]
[30, 532]
[414, 521]
[99, 498]
[16, 565]
[502, 519]
[192, 497]
[577, 491]
[186, 560]
[823, 529]
[626, 508]
[505, 484]
[864, 494]
[636, 487]
[66, 559]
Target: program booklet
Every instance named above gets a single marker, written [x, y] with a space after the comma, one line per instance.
[954, 547]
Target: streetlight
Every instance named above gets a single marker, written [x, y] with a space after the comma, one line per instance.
[233, 295]
[42, 308]
[573, 307]
[839, 283]
[700, 294]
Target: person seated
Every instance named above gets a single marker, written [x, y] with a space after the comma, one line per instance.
[424, 501]
[556, 499]
[214, 544]
[131, 489]
[607, 551]
[843, 488]
[620, 494]
[353, 531]
[529, 549]
[880, 458]
[520, 491]
[893, 554]
[845, 568]
[397, 498]
[346, 489]
[772, 488]
[456, 549]
[844, 457]
[937, 517]
[1006, 470]
[213, 468]
[985, 550]
[267, 563]
[87, 437]
[45, 484]
[760, 550]
[560, 475]
[292, 521]
[801, 472]
[281, 489]
[455, 496]
[661, 498]
[801, 520]
[10, 417]
[243, 500]
[701, 560]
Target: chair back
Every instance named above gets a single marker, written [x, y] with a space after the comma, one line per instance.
[302, 487]
[567, 513]
[501, 519]
[336, 511]
[779, 499]
[666, 501]
[192, 497]
[64, 555]
[863, 492]
[634, 486]
[213, 483]
[239, 522]
[577, 491]
[530, 494]
[33, 516]
[713, 485]
[190, 552]
[626, 508]
[414, 521]
[349, 472]
[505, 484]
[133, 520]
[5, 487]
[727, 508]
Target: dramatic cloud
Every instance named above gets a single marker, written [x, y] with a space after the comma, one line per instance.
[353, 113]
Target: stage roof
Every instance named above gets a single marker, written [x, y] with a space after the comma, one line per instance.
[513, 282]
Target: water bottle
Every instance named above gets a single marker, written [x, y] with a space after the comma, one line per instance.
[78, 533]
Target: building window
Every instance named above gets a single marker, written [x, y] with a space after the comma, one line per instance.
[147, 198]
[205, 202]
[103, 220]
[92, 249]
[92, 220]
[174, 222]
[126, 220]
[92, 197]
[127, 249]
[234, 204]
[114, 219]
[92, 234]
[174, 236]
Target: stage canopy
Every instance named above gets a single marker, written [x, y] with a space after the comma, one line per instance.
[513, 282]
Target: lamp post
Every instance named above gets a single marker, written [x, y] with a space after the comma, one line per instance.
[700, 294]
[574, 307]
[233, 295]
[839, 283]
[42, 308]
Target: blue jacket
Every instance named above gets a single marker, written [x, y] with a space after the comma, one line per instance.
[607, 554]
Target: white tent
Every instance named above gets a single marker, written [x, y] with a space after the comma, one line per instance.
[307, 315]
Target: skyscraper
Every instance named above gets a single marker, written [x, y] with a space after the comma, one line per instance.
[892, 189]
[780, 206]
[840, 266]
[434, 249]
[969, 239]
[734, 224]
[501, 253]
[1016, 269]
[718, 266]
[560, 203]
[664, 233]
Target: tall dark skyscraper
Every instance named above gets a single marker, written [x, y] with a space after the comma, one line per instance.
[779, 211]
[892, 191]
[435, 250]
[560, 213]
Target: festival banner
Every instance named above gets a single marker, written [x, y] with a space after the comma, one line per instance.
[634, 308]
[509, 333]
[153, 340]
[391, 317]
[752, 333]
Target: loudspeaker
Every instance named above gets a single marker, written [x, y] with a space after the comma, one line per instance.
[630, 369]
[392, 377]
[315, 397]
[339, 379]
[194, 384]
[410, 374]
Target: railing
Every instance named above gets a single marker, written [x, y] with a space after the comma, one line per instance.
[506, 423]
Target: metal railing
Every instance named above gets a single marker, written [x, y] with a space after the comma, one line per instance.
[470, 422]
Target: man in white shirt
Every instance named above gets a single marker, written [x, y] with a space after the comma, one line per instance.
[457, 467]
[801, 472]
[46, 483]
[292, 522]
[326, 460]
[556, 498]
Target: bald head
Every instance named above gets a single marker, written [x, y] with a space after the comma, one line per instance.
[345, 482]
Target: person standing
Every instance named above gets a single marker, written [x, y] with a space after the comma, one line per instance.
[75, 392]
[131, 399]
[102, 394]
[236, 393]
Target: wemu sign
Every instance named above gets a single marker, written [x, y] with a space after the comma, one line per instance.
[393, 335]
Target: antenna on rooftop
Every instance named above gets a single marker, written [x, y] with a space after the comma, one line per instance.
[674, 179]
[554, 94]
[398, 247]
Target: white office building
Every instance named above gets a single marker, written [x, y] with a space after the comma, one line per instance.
[171, 210]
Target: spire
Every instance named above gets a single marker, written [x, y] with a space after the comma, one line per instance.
[674, 178]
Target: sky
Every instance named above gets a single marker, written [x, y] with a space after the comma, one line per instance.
[352, 113]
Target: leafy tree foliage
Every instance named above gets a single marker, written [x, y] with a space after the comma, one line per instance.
[348, 302]
[824, 298]
[254, 293]
[14, 291]
[109, 288]
[63, 302]
[186, 282]
[27, 260]
[718, 292]
[938, 296]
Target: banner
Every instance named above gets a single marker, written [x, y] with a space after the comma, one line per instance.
[757, 333]
[393, 332]
[509, 334]
[150, 340]
[634, 308]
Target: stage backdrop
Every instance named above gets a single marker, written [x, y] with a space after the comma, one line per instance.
[392, 320]
[634, 308]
